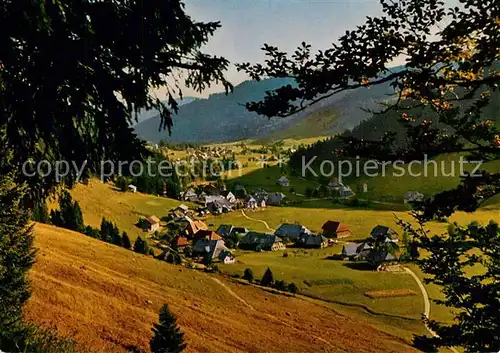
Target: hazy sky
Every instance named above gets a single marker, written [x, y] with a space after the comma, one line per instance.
[247, 24]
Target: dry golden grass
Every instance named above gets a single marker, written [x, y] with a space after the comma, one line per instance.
[107, 298]
[390, 293]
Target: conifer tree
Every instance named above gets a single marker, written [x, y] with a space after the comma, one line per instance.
[116, 237]
[141, 246]
[126, 241]
[16, 256]
[267, 278]
[167, 336]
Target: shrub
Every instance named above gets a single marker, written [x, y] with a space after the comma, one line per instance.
[248, 275]
[292, 288]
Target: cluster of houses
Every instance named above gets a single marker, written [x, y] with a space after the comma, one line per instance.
[215, 201]
[365, 250]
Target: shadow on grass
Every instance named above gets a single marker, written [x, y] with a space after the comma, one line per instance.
[359, 266]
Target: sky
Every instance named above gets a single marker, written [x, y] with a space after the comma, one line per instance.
[248, 24]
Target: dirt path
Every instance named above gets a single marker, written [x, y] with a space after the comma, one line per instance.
[272, 317]
[427, 304]
[233, 294]
[257, 220]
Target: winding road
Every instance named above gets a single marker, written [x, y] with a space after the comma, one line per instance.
[257, 220]
[427, 303]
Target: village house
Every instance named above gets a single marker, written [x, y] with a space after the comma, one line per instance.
[227, 257]
[190, 196]
[261, 242]
[193, 226]
[132, 188]
[152, 223]
[181, 243]
[182, 208]
[229, 196]
[261, 200]
[350, 251]
[212, 248]
[250, 202]
[283, 181]
[312, 241]
[219, 205]
[275, 198]
[291, 231]
[226, 230]
[206, 234]
[413, 196]
[334, 229]
[382, 232]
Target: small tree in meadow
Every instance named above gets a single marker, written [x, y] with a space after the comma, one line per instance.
[267, 278]
[141, 246]
[167, 336]
[248, 275]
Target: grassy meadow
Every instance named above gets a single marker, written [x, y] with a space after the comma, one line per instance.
[107, 298]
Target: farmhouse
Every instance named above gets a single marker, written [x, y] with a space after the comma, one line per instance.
[275, 198]
[190, 196]
[182, 208]
[335, 229]
[226, 257]
[350, 251]
[283, 181]
[260, 241]
[132, 188]
[207, 234]
[226, 230]
[229, 196]
[412, 196]
[292, 231]
[193, 226]
[153, 223]
[382, 232]
[211, 247]
[219, 205]
[181, 242]
[250, 202]
[312, 241]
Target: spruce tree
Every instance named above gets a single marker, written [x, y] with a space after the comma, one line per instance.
[126, 241]
[141, 246]
[16, 256]
[167, 336]
[267, 278]
[116, 237]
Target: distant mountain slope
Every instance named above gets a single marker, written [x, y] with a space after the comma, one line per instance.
[222, 118]
[147, 114]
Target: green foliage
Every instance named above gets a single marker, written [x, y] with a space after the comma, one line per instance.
[167, 336]
[122, 183]
[96, 125]
[26, 337]
[141, 246]
[292, 288]
[17, 255]
[466, 265]
[40, 213]
[248, 275]
[126, 241]
[267, 278]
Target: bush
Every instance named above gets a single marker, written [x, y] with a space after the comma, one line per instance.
[292, 288]
[248, 275]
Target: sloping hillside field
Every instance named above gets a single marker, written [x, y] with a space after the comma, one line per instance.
[107, 298]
